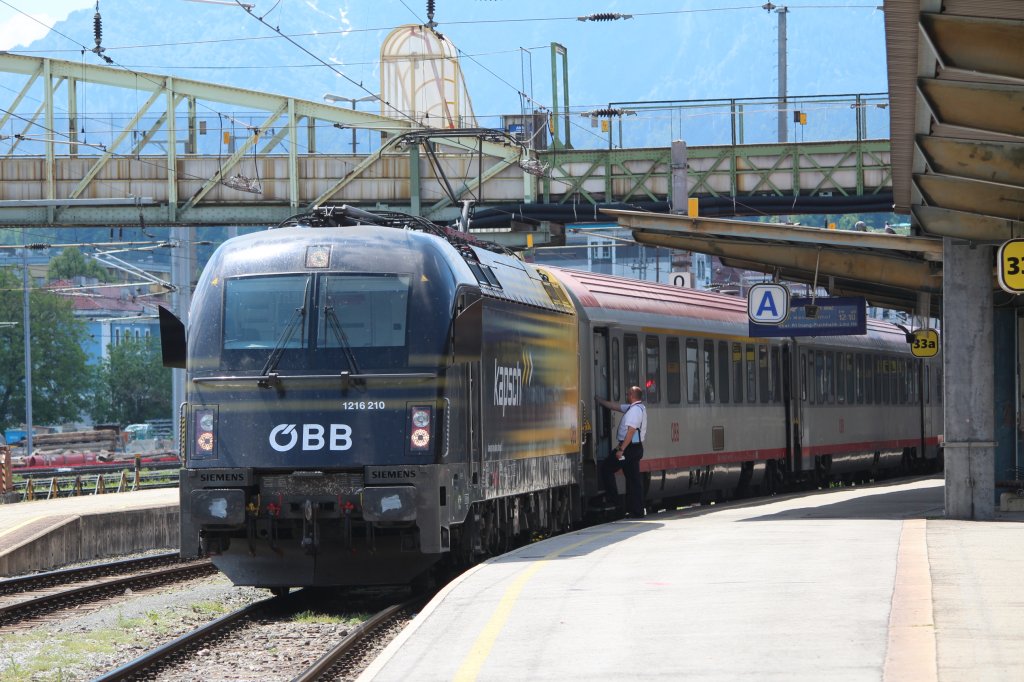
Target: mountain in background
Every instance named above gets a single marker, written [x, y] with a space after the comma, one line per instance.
[691, 51]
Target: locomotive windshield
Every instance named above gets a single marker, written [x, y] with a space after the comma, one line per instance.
[323, 322]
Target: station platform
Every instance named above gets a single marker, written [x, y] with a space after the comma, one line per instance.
[846, 584]
[47, 534]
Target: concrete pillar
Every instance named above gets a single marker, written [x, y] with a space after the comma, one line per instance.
[968, 361]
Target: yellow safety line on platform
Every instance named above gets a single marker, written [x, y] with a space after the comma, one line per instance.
[911, 654]
[481, 648]
[8, 531]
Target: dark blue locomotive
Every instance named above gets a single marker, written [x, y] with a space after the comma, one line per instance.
[358, 385]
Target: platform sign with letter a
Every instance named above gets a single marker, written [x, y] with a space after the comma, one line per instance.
[768, 304]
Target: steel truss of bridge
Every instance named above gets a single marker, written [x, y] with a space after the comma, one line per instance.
[196, 153]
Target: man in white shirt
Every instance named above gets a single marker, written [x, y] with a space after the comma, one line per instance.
[629, 450]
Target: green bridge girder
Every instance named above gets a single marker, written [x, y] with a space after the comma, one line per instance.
[284, 155]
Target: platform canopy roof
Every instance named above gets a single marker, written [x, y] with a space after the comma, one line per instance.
[889, 270]
[956, 91]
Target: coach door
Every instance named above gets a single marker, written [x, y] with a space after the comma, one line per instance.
[792, 393]
[602, 385]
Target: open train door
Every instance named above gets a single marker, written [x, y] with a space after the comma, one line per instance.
[601, 377]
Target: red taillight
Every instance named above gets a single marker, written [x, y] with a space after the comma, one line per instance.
[421, 420]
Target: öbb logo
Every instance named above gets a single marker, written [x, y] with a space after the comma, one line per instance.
[285, 437]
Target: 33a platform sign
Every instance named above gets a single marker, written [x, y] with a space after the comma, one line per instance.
[925, 343]
[1010, 266]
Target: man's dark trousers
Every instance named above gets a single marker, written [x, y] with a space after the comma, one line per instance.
[631, 471]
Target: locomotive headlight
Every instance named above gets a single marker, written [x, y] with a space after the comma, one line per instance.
[420, 439]
[204, 436]
[420, 418]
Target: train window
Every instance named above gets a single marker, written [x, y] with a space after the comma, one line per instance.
[803, 376]
[723, 372]
[763, 372]
[869, 380]
[653, 377]
[364, 313]
[616, 378]
[840, 378]
[674, 370]
[927, 386]
[737, 373]
[830, 384]
[819, 377]
[881, 382]
[692, 372]
[631, 350]
[812, 379]
[776, 375]
[858, 378]
[709, 371]
[850, 373]
[259, 312]
[751, 374]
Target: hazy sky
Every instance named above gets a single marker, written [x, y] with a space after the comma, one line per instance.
[18, 29]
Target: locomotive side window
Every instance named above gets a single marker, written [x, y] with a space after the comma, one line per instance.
[763, 372]
[692, 372]
[616, 378]
[723, 371]
[709, 371]
[675, 376]
[751, 374]
[653, 356]
[737, 373]
[631, 348]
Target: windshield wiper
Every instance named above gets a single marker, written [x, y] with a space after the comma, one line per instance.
[335, 324]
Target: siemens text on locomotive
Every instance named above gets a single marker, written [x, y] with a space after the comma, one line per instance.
[370, 396]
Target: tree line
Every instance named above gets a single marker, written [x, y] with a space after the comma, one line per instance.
[129, 386]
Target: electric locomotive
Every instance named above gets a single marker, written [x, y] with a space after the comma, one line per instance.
[358, 385]
[371, 395]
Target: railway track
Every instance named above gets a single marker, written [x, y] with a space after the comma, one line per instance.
[341, 660]
[91, 583]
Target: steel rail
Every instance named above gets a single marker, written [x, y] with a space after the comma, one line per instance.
[323, 664]
[34, 581]
[12, 613]
[161, 654]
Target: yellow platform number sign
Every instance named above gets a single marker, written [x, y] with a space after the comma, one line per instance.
[925, 343]
[1010, 266]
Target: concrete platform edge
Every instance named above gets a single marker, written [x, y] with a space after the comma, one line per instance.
[90, 536]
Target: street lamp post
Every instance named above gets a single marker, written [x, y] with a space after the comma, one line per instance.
[28, 345]
[334, 99]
